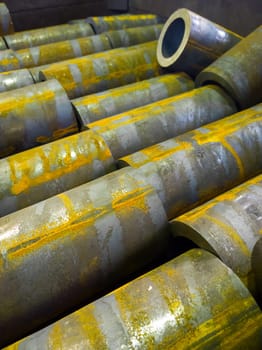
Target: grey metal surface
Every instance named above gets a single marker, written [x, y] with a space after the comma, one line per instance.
[15, 79]
[8, 61]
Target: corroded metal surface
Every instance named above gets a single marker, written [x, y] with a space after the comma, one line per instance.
[257, 268]
[105, 23]
[114, 101]
[2, 44]
[239, 71]
[144, 126]
[15, 79]
[34, 115]
[74, 246]
[39, 173]
[229, 225]
[104, 70]
[189, 42]
[36, 37]
[63, 50]
[6, 24]
[191, 302]
[8, 61]
[133, 36]
[195, 167]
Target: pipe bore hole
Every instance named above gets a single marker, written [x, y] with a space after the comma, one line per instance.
[173, 37]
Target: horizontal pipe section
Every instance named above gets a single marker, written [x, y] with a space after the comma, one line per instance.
[197, 166]
[35, 71]
[191, 302]
[6, 24]
[104, 70]
[61, 252]
[239, 71]
[104, 104]
[256, 261]
[189, 42]
[39, 173]
[15, 79]
[229, 225]
[8, 61]
[106, 23]
[34, 115]
[144, 126]
[40, 36]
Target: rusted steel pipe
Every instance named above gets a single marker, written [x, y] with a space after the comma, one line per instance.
[104, 70]
[39, 173]
[6, 24]
[189, 42]
[34, 115]
[197, 166]
[142, 127]
[106, 23]
[15, 79]
[257, 268]
[63, 50]
[229, 225]
[133, 36]
[239, 71]
[9, 61]
[40, 36]
[61, 252]
[114, 101]
[191, 302]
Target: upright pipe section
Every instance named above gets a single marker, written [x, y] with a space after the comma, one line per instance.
[39, 173]
[229, 225]
[105, 70]
[9, 61]
[191, 302]
[34, 115]
[144, 126]
[6, 24]
[15, 79]
[189, 42]
[239, 71]
[104, 104]
[106, 23]
[197, 166]
[36, 37]
[61, 252]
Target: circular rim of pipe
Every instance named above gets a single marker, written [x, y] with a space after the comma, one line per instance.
[178, 16]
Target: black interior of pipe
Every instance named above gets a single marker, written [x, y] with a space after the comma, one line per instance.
[173, 37]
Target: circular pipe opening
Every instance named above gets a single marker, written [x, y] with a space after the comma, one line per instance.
[173, 37]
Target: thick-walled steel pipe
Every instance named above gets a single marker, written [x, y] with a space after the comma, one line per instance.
[35, 71]
[63, 50]
[6, 24]
[9, 61]
[106, 23]
[105, 70]
[191, 302]
[34, 115]
[39, 173]
[114, 101]
[15, 79]
[40, 36]
[257, 268]
[189, 42]
[239, 71]
[229, 225]
[142, 127]
[197, 166]
[58, 253]
[133, 36]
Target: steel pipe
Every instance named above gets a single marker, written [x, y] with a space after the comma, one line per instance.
[63, 50]
[197, 166]
[257, 268]
[106, 23]
[229, 225]
[104, 104]
[35, 71]
[61, 252]
[34, 115]
[144, 126]
[239, 71]
[15, 79]
[101, 71]
[6, 24]
[189, 42]
[133, 36]
[8, 61]
[191, 302]
[40, 36]
[2, 44]
[39, 173]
